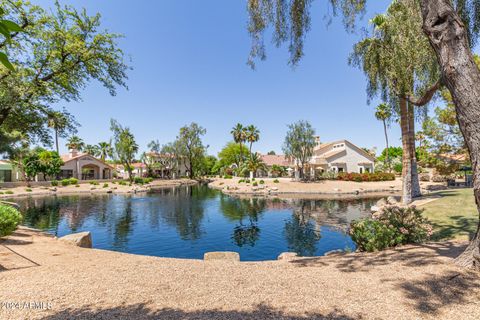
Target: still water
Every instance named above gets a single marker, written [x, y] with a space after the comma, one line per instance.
[186, 222]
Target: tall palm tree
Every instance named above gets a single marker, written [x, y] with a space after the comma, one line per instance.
[239, 136]
[255, 163]
[75, 142]
[58, 122]
[252, 135]
[92, 150]
[384, 113]
[105, 150]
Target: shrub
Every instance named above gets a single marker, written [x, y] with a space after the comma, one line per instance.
[95, 183]
[253, 179]
[389, 227]
[54, 183]
[262, 182]
[438, 178]
[28, 190]
[122, 183]
[247, 180]
[9, 220]
[73, 181]
[255, 184]
[65, 182]
[241, 181]
[365, 177]
[221, 183]
[1, 192]
[138, 180]
[148, 180]
[276, 181]
[227, 176]
[77, 186]
[9, 192]
[424, 177]
[105, 185]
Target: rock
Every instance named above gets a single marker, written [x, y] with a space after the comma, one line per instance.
[375, 208]
[382, 202]
[221, 255]
[81, 239]
[392, 200]
[392, 187]
[53, 189]
[109, 191]
[287, 256]
[274, 189]
[338, 251]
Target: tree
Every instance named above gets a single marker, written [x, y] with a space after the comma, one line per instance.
[62, 124]
[451, 32]
[58, 54]
[7, 28]
[191, 147]
[124, 146]
[239, 136]
[397, 60]
[104, 150]
[207, 165]
[154, 146]
[255, 163]
[271, 153]
[299, 144]
[230, 154]
[49, 163]
[252, 136]
[75, 142]
[91, 150]
[383, 113]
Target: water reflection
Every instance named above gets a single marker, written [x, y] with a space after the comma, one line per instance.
[188, 221]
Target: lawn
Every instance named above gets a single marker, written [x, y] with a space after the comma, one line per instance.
[454, 216]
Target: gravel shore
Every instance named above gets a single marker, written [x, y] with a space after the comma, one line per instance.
[412, 282]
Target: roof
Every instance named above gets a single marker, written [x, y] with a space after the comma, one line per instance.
[275, 159]
[66, 158]
[321, 151]
[139, 165]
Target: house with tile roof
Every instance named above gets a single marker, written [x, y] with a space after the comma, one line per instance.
[84, 167]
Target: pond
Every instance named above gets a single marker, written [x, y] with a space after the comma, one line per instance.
[186, 222]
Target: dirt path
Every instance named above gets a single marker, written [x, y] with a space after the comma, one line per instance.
[413, 282]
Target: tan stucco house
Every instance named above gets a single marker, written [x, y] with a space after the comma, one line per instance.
[84, 167]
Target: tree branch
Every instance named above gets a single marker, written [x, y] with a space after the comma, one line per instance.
[426, 97]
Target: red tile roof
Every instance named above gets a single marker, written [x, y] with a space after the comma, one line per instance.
[279, 160]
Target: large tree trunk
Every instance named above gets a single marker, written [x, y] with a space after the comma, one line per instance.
[411, 187]
[448, 37]
[416, 192]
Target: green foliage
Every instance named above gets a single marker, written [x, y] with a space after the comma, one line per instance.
[75, 142]
[94, 183]
[7, 28]
[105, 185]
[77, 186]
[191, 148]
[393, 152]
[389, 227]
[255, 163]
[232, 153]
[122, 183]
[364, 177]
[276, 181]
[65, 182]
[278, 171]
[227, 176]
[247, 180]
[9, 192]
[54, 183]
[255, 184]
[10, 218]
[124, 145]
[299, 143]
[241, 181]
[73, 181]
[28, 190]
[138, 180]
[261, 182]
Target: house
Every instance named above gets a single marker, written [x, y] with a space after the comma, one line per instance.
[168, 166]
[84, 167]
[340, 156]
[7, 172]
[138, 170]
[275, 160]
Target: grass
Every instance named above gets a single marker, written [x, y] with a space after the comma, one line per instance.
[454, 216]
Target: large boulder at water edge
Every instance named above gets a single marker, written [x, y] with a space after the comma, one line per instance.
[81, 239]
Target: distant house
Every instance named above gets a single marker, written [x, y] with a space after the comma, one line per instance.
[138, 170]
[340, 156]
[275, 160]
[164, 167]
[7, 172]
[84, 167]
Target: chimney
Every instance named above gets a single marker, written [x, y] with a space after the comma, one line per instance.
[72, 153]
[317, 140]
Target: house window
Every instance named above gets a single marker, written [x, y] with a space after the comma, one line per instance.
[340, 169]
[65, 174]
[367, 170]
[5, 175]
[361, 169]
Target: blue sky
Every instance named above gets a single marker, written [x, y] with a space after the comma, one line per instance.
[189, 64]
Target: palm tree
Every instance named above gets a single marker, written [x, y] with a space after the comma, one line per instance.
[239, 136]
[92, 150]
[104, 150]
[75, 142]
[384, 113]
[255, 163]
[252, 135]
[58, 122]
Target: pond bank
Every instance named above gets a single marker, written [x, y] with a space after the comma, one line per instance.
[75, 283]
[325, 188]
[103, 187]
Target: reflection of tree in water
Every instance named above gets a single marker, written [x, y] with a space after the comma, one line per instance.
[41, 213]
[123, 226]
[183, 207]
[302, 234]
[239, 210]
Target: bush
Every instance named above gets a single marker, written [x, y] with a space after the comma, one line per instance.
[255, 184]
[424, 177]
[28, 190]
[276, 181]
[9, 192]
[77, 186]
[95, 183]
[241, 181]
[389, 227]
[9, 220]
[122, 183]
[65, 182]
[262, 182]
[148, 180]
[247, 180]
[105, 185]
[54, 183]
[73, 181]
[138, 180]
[439, 178]
[365, 177]
[227, 176]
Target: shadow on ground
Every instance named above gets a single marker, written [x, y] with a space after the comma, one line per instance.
[456, 225]
[141, 311]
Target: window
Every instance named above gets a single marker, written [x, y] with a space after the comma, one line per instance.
[5, 175]
[65, 174]
[367, 170]
[340, 169]
[361, 169]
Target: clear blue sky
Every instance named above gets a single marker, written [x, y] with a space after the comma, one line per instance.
[189, 64]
